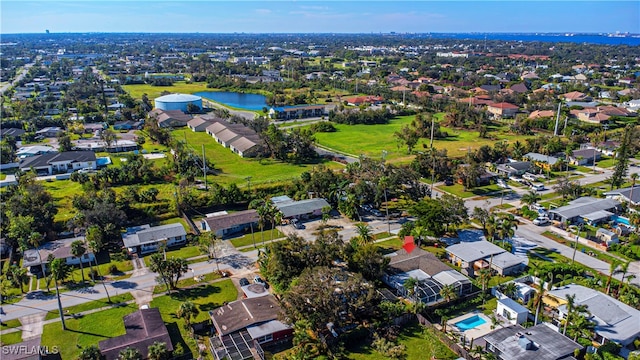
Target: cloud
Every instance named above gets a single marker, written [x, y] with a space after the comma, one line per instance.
[314, 8]
[262, 11]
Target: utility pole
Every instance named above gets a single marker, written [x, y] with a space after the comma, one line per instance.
[573, 258]
[555, 130]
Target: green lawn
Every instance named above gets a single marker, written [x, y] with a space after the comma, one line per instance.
[63, 192]
[86, 330]
[606, 162]
[248, 239]
[371, 140]
[389, 246]
[233, 169]
[458, 190]
[11, 338]
[91, 305]
[184, 252]
[205, 298]
[188, 281]
[420, 344]
[136, 90]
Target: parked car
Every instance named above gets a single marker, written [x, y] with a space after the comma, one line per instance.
[244, 282]
[502, 184]
[529, 177]
[541, 221]
[448, 181]
[258, 280]
[537, 186]
[297, 224]
[376, 212]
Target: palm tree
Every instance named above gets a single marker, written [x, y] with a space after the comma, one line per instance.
[410, 285]
[613, 266]
[530, 198]
[581, 325]
[277, 217]
[624, 267]
[634, 177]
[36, 239]
[186, 311]
[571, 300]
[59, 272]
[158, 351]
[364, 233]
[419, 232]
[509, 289]
[90, 352]
[518, 150]
[508, 225]
[129, 354]
[539, 299]
[448, 293]
[94, 246]
[492, 227]
[208, 241]
[484, 276]
[77, 250]
[568, 153]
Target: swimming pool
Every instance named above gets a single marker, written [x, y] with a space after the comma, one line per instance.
[103, 161]
[620, 219]
[470, 323]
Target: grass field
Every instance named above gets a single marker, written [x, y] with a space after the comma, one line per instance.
[371, 140]
[458, 190]
[234, 169]
[248, 239]
[136, 90]
[188, 281]
[86, 330]
[91, 305]
[11, 338]
[606, 162]
[420, 344]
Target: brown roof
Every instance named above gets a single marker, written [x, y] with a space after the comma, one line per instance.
[541, 113]
[239, 314]
[245, 143]
[503, 105]
[222, 222]
[417, 259]
[574, 95]
[143, 328]
[197, 121]
[216, 127]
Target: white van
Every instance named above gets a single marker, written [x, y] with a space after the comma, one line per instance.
[537, 186]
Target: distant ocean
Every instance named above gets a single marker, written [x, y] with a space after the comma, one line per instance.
[572, 38]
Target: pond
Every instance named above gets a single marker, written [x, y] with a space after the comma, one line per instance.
[236, 99]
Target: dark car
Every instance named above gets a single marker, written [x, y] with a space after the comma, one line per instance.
[448, 181]
[244, 282]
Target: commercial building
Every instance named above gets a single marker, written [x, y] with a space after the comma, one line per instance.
[178, 102]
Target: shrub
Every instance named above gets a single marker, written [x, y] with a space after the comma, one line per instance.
[113, 269]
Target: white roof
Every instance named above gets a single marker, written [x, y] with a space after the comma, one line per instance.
[615, 320]
[476, 250]
[513, 305]
[450, 277]
[34, 149]
[506, 260]
[178, 98]
[264, 329]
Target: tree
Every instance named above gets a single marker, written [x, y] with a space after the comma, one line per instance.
[367, 260]
[18, 277]
[571, 300]
[59, 271]
[448, 293]
[77, 250]
[109, 137]
[509, 289]
[419, 233]
[508, 224]
[129, 354]
[624, 267]
[364, 234]
[169, 270]
[158, 351]
[209, 241]
[186, 312]
[484, 276]
[530, 198]
[430, 215]
[91, 352]
[36, 239]
[613, 268]
[64, 142]
[538, 299]
[482, 215]
[622, 158]
[410, 285]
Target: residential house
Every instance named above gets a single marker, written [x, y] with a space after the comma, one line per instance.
[242, 140]
[142, 328]
[509, 309]
[227, 224]
[119, 145]
[538, 342]
[519, 88]
[537, 114]
[584, 156]
[473, 256]
[35, 150]
[590, 115]
[576, 96]
[585, 209]
[60, 249]
[127, 125]
[546, 162]
[198, 124]
[52, 131]
[628, 195]
[55, 163]
[145, 239]
[244, 326]
[359, 100]
[296, 112]
[303, 209]
[431, 273]
[615, 320]
[13, 132]
[170, 118]
[515, 168]
[502, 110]
[608, 147]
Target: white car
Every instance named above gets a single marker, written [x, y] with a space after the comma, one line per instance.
[541, 221]
[537, 187]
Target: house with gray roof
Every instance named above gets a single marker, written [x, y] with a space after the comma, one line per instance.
[477, 255]
[56, 163]
[541, 158]
[615, 320]
[228, 224]
[145, 239]
[303, 209]
[198, 124]
[538, 342]
[585, 209]
[35, 150]
[515, 168]
[628, 195]
[60, 249]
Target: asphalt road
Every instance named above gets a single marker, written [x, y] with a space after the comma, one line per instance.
[18, 78]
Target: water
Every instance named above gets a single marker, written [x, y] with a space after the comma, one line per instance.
[575, 38]
[470, 323]
[236, 99]
[103, 161]
[620, 219]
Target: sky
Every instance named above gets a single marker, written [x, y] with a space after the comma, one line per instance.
[286, 16]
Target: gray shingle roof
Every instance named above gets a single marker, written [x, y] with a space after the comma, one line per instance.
[47, 159]
[242, 313]
[222, 222]
[302, 207]
[551, 160]
[148, 235]
[584, 206]
[626, 193]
